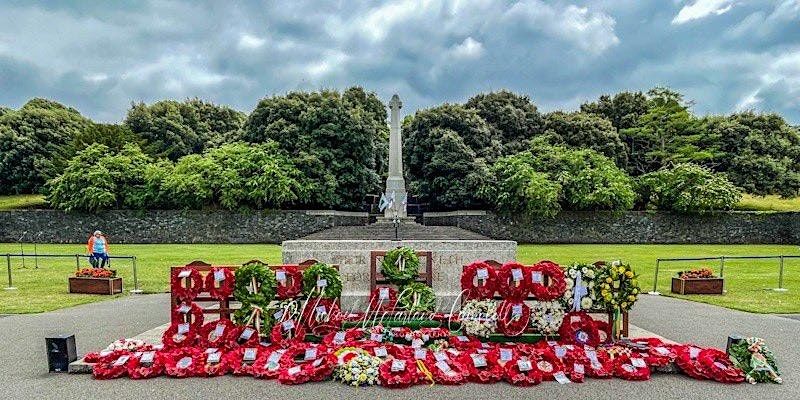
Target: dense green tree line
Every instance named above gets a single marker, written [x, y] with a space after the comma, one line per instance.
[328, 149]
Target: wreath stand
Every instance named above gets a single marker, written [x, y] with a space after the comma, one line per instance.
[216, 306]
[376, 278]
[529, 336]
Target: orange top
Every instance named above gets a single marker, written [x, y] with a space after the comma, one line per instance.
[90, 245]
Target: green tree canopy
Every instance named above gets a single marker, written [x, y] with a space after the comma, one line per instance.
[586, 131]
[34, 144]
[445, 133]
[512, 118]
[622, 109]
[344, 131]
[174, 129]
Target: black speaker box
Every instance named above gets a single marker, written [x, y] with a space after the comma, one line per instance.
[60, 352]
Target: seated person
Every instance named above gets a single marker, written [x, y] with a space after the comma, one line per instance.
[98, 250]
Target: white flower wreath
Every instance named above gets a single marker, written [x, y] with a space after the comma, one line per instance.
[361, 370]
[546, 316]
[584, 275]
[479, 317]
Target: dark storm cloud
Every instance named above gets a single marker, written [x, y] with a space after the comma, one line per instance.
[724, 55]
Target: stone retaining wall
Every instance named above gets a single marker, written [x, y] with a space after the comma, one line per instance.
[171, 226]
[175, 226]
[630, 227]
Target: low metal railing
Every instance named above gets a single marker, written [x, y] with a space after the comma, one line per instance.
[77, 257]
[722, 259]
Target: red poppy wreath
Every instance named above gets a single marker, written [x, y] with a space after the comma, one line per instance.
[479, 281]
[219, 283]
[553, 274]
[186, 283]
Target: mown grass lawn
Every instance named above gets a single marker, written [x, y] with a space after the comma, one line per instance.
[768, 203]
[14, 202]
[45, 288]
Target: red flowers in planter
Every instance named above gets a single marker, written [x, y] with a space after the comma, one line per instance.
[479, 281]
[95, 273]
[557, 283]
[697, 273]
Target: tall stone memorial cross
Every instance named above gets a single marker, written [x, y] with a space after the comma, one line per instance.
[395, 184]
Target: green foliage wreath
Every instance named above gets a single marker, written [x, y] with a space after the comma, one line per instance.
[322, 272]
[416, 297]
[400, 265]
[266, 285]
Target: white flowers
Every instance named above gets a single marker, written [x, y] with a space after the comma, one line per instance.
[588, 273]
[360, 370]
[546, 316]
[479, 317]
[586, 303]
[126, 344]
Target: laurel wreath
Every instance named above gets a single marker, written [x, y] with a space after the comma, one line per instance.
[255, 284]
[400, 265]
[416, 297]
[317, 272]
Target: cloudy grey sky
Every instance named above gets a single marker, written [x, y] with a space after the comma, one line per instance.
[724, 55]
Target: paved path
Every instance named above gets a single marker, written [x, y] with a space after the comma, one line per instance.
[23, 366]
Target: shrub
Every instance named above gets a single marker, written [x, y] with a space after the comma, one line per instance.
[589, 180]
[257, 176]
[96, 179]
[688, 188]
[515, 187]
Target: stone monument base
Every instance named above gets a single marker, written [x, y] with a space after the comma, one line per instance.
[402, 220]
[353, 258]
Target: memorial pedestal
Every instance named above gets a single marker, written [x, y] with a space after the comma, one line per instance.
[353, 257]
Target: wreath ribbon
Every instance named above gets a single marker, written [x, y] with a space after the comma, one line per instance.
[255, 315]
[579, 292]
[425, 371]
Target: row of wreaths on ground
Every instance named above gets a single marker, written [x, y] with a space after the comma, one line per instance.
[400, 357]
[267, 339]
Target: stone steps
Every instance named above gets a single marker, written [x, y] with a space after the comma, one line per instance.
[385, 231]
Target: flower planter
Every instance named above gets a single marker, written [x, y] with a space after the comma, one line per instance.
[87, 285]
[697, 286]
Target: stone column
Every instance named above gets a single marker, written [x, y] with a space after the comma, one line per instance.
[395, 183]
